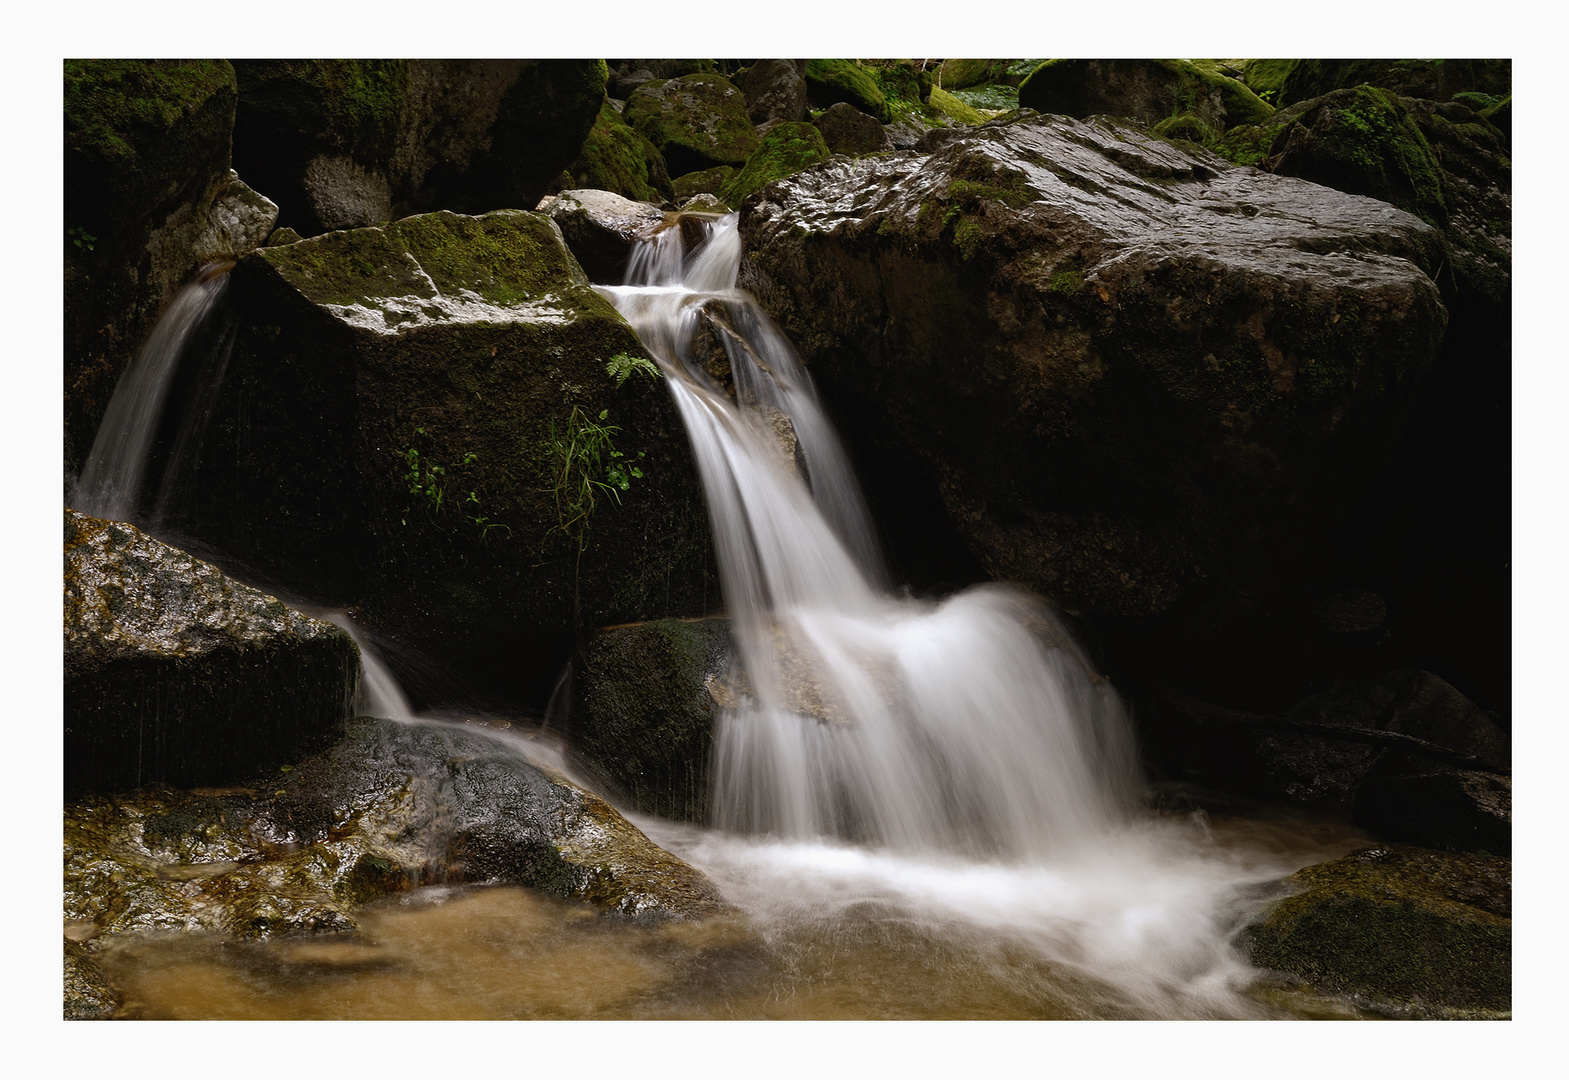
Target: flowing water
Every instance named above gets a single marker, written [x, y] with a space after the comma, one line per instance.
[922, 809]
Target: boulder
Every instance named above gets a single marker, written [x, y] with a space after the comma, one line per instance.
[297, 851]
[1145, 383]
[831, 81]
[775, 90]
[703, 182]
[601, 228]
[616, 158]
[963, 74]
[696, 121]
[643, 705]
[787, 148]
[847, 130]
[345, 143]
[1401, 930]
[175, 673]
[1435, 80]
[1410, 797]
[149, 197]
[1148, 90]
[419, 421]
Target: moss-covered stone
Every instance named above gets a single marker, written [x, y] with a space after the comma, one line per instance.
[389, 436]
[1267, 78]
[1407, 930]
[786, 149]
[616, 158]
[829, 81]
[1148, 90]
[176, 673]
[696, 121]
[710, 181]
[642, 712]
[1434, 80]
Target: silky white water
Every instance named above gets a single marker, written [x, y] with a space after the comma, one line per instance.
[970, 726]
[110, 483]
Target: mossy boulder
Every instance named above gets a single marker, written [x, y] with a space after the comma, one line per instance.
[344, 143]
[1267, 78]
[602, 228]
[704, 181]
[1403, 930]
[149, 197]
[775, 90]
[616, 158]
[396, 433]
[1128, 398]
[786, 149]
[847, 130]
[696, 121]
[964, 74]
[643, 705]
[1434, 80]
[830, 81]
[176, 673]
[1148, 90]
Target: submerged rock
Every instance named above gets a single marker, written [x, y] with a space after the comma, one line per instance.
[1398, 929]
[391, 806]
[1143, 381]
[174, 673]
[406, 427]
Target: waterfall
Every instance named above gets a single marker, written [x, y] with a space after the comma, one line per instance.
[971, 726]
[110, 484]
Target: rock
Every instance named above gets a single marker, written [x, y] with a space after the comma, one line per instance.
[1398, 929]
[696, 121]
[345, 143]
[616, 158]
[962, 74]
[1435, 80]
[847, 130]
[705, 181]
[786, 149]
[1148, 90]
[1409, 798]
[175, 673]
[393, 805]
[642, 712]
[393, 430]
[775, 90]
[149, 197]
[601, 228]
[830, 81]
[1143, 381]
[904, 134]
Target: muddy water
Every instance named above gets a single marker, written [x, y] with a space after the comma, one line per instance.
[821, 932]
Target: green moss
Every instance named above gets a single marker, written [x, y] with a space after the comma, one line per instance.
[105, 100]
[1266, 77]
[1188, 128]
[1401, 926]
[616, 158]
[955, 108]
[1066, 282]
[785, 149]
[830, 81]
[1366, 143]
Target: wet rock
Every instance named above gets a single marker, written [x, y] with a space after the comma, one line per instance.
[616, 158]
[847, 130]
[601, 228]
[1414, 799]
[1148, 90]
[175, 673]
[345, 143]
[1143, 381]
[696, 121]
[88, 994]
[643, 703]
[392, 435]
[775, 90]
[1399, 929]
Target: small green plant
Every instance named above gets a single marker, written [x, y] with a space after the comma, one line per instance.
[588, 467]
[621, 366]
[79, 236]
[426, 480]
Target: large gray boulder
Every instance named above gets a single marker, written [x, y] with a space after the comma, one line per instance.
[1144, 382]
[775, 90]
[175, 673]
[418, 421]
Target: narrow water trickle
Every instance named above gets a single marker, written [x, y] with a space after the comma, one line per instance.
[970, 726]
[110, 484]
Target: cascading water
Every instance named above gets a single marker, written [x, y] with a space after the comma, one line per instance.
[110, 484]
[967, 726]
